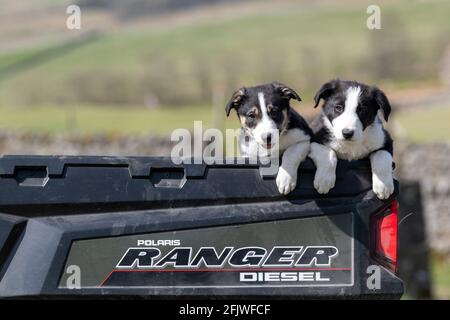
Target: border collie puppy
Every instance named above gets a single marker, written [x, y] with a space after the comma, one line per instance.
[349, 128]
[269, 127]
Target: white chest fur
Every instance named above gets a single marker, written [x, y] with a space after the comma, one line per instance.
[248, 147]
[372, 139]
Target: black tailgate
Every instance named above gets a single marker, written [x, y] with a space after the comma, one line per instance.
[143, 226]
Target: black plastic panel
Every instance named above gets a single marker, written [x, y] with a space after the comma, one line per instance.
[49, 206]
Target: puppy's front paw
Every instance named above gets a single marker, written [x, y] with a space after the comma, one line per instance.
[324, 181]
[383, 188]
[286, 182]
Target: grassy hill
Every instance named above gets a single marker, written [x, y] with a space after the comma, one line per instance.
[284, 44]
[191, 62]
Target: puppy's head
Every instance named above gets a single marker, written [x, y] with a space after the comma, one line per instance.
[263, 111]
[350, 107]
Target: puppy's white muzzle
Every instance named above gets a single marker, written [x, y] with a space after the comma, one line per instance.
[266, 134]
[347, 127]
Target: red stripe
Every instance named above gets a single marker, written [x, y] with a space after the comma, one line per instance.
[107, 277]
[231, 270]
[226, 270]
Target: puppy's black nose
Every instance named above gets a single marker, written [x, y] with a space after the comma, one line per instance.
[267, 138]
[348, 133]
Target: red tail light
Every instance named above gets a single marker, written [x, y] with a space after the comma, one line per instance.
[384, 236]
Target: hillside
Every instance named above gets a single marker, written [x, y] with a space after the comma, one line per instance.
[196, 56]
[178, 65]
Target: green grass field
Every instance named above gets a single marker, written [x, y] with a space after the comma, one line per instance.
[425, 125]
[104, 120]
[441, 279]
[422, 126]
[40, 97]
[242, 42]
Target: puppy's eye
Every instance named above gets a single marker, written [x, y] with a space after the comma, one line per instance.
[272, 109]
[339, 108]
[251, 115]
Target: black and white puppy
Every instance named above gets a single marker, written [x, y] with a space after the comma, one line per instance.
[349, 128]
[269, 125]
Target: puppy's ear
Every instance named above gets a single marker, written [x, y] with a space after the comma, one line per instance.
[285, 91]
[382, 102]
[236, 100]
[325, 91]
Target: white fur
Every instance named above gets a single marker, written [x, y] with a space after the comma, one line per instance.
[364, 142]
[382, 179]
[372, 138]
[291, 137]
[266, 125]
[287, 174]
[253, 149]
[294, 144]
[325, 160]
[381, 161]
[349, 118]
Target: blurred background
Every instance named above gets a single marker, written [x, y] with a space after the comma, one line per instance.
[138, 69]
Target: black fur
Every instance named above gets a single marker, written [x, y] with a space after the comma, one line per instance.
[297, 121]
[277, 97]
[333, 93]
